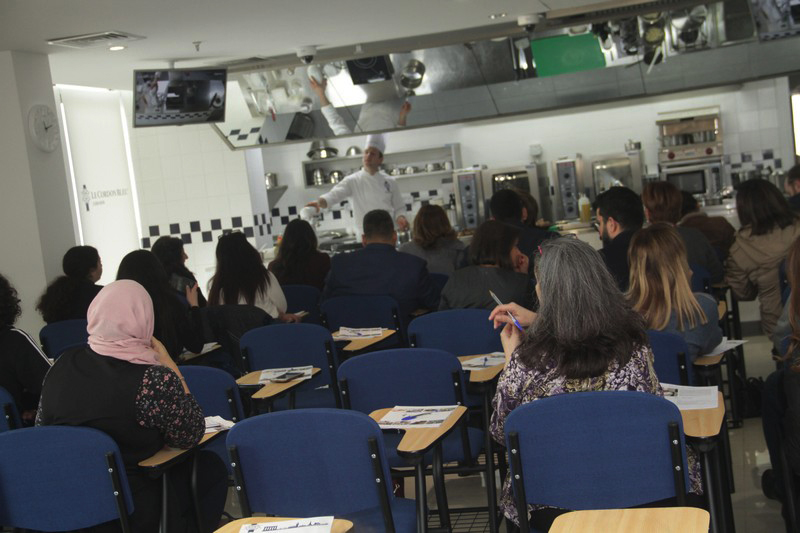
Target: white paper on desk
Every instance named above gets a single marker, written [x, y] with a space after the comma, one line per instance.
[403, 417]
[724, 346]
[207, 347]
[484, 361]
[357, 333]
[268, 374]
[689, 398]
[317, 524]
[217, 423]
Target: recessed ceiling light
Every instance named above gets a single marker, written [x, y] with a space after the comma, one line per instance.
[116, 48]
[495, 16]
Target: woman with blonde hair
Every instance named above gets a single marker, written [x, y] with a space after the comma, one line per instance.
[660, 289]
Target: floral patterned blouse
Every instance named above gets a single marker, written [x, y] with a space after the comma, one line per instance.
[519, 384]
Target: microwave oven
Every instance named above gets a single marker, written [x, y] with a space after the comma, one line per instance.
[701, 178]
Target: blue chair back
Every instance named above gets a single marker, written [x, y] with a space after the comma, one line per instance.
[57, 337]
[701, 279]
[215, 391]
[361, 311]
[458, 331]
[59, 478]
[439, 279]
[10, 419]
[309, 462]
[404, 376]
[671, 358]
[287, 345]
[303, 298]
[597, 450]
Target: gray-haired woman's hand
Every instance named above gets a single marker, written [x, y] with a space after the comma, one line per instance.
[499, 315]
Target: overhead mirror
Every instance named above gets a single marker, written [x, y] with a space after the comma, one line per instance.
[571, 62]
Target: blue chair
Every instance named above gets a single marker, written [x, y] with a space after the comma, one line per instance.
[215, 391]
[314, 462]
[10, 419]
[458, 331]
[415, 377]
[303, 298]
[58, 337]
[670, 358]
[218, 395]
[59, 478]
[596, 450]
[364, 311]
[701, 279]
[287, 345]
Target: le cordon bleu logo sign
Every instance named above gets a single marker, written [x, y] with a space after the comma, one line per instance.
[94, 198]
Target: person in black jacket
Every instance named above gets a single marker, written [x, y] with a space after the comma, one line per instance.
[169, 250]
[176, 327]
[22, 364]
[68, 296]
[619, 215]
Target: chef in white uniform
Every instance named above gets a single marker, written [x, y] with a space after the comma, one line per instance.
[369, 188]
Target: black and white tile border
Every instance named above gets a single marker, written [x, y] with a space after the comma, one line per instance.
[198, 231]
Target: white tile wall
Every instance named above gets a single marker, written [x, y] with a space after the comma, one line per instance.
[187, 174]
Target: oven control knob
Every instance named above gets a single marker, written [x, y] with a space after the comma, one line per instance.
[671, 155]
[467, 187]
[469, 206]
[709, 151]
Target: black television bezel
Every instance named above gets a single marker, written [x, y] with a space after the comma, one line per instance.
[183, 123]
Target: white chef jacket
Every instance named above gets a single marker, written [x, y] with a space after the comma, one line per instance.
[367, 192]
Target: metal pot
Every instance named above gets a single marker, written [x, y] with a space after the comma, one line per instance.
[319, 176]
[411, 76]
[335, 176]
[320, 149]
[271, 180]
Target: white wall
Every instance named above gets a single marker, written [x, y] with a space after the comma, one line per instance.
[756, 117]
[36, 219]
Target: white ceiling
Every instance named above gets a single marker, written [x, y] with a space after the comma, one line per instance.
[232, 29]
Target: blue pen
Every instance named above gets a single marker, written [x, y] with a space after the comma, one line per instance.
[514, 320]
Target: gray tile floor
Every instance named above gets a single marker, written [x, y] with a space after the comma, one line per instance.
[753, 512]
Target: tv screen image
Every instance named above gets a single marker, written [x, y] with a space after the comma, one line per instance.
[170, 97]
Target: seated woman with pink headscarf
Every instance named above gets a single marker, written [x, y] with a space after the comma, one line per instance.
[126, 385]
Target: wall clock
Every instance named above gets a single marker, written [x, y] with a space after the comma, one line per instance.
[43, 127]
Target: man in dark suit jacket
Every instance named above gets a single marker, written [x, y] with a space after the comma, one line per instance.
[379, 268]
[507, 207]
[619, 215]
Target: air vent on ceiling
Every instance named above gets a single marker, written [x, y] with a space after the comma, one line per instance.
[90, 40]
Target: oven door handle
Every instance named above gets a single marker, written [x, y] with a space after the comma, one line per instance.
[689, 168]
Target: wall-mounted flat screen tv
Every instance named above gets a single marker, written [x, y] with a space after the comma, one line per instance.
[170, 97]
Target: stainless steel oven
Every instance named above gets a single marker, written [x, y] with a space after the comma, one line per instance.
[699, 177]
[474, 188]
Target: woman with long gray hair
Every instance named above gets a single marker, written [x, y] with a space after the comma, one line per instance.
[585, 337]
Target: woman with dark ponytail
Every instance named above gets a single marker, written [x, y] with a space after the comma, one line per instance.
[69, 296]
